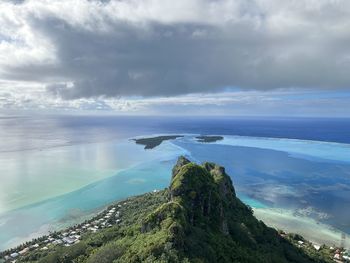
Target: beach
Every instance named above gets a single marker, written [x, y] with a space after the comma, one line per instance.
[307, 227]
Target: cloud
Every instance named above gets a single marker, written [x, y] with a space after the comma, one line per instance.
[88, 49]
[18, 96]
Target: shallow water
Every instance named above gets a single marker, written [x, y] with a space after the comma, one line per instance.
[307, 184]
[66, 209]
[311, 229]
[305, 149]
[56, 171]
[37, 175]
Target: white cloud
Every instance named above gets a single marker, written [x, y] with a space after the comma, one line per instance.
[101, 54]
[19, 96]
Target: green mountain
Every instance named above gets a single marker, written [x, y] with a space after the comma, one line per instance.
[197, 219]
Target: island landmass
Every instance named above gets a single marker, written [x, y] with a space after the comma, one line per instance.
[198, 218]
[209, 138]
[153, 142]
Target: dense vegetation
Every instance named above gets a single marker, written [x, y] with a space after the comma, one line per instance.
[153, 142]
[197, 219]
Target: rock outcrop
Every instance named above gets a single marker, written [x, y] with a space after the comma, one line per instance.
[204, 221]
[197, 219]
[205, 191]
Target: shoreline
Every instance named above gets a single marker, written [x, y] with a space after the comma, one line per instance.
[279, 219]
[106, 217]
[284, 221]
[111, 215]
[152, 142]
[312, 230]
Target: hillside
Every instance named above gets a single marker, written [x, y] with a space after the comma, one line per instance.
[198, 218]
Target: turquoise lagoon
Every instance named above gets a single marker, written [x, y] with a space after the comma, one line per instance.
[305, 183]
[56, 187]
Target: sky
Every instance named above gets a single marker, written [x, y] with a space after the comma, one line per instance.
[183, 57]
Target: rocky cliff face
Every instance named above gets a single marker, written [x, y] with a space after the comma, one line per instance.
[205, 191]
[198, 197]
[204, 221]
[198, 219]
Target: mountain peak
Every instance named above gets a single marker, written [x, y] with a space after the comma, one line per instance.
[181, 161]
[205, 191]
[198, 218]
[204, 221]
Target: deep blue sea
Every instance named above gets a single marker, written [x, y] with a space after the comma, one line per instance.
[57, 170]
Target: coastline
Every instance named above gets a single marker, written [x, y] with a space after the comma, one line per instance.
[68, 236]
[278, 219]
[312, 230]
[113, 215]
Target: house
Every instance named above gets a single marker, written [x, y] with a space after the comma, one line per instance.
[57, 242]
[317, 247]
[93, 229]
[14, 255]
[68, 240]
[23, 251]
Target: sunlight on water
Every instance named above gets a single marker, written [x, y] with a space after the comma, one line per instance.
[39, 175]
[144, 171]
[55, 172]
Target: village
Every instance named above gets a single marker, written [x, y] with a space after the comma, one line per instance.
[105, 219]
[337, 254]
[113, 216]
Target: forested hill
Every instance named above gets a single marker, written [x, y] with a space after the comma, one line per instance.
[198, 218]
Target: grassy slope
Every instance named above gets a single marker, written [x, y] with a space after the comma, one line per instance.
[198, 219]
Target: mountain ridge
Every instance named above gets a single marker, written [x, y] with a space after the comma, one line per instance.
[198, 218]
[202, 203]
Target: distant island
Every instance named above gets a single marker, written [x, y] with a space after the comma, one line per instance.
[153, 142]
[208, 138]
[198, 218]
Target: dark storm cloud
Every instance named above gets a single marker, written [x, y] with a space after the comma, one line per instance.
[148, 57]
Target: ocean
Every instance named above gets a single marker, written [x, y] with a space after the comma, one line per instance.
[57, 170]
